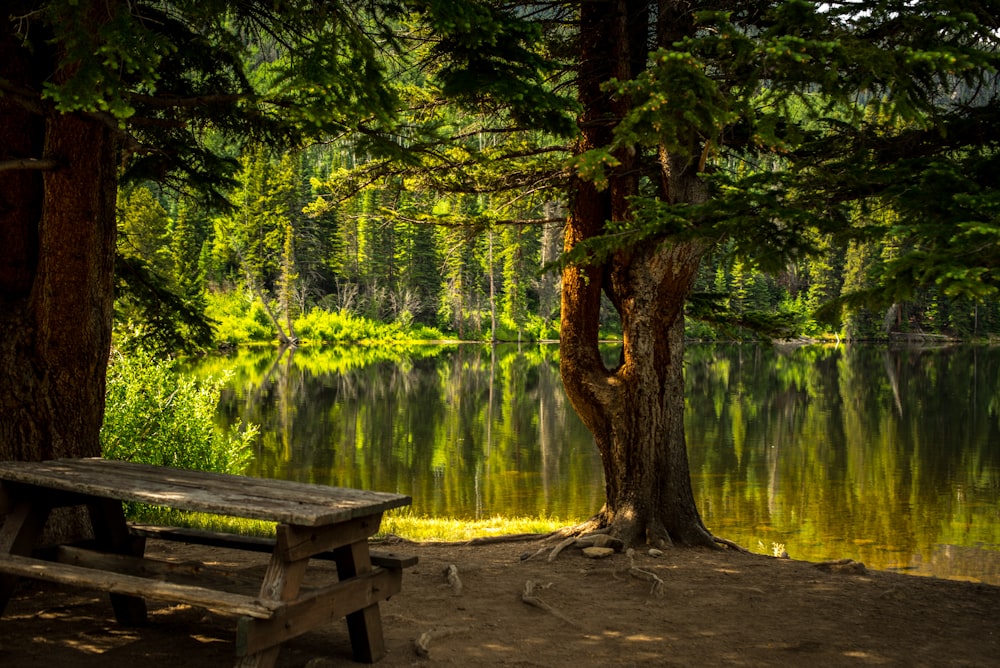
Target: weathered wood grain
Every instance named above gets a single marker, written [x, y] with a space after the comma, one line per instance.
[178, 572]
[237, 496]
[312, 520]
[320, 606]
[132, 585]
[253, 543]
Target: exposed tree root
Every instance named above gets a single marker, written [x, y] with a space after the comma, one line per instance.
[510, 538]
[592, 540]
[528, 596]
[595, 526]
[730, 544]
[421, 645]
[657, 584]
[591, 526]
[484, 540]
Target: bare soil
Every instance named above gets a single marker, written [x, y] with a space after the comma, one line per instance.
[714, 608]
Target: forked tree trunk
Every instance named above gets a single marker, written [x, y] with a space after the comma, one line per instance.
[635, 411]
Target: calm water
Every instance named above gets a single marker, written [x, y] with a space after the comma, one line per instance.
[890, 457]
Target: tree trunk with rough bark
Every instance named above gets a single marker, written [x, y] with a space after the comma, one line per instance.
[635, 411]
[57, 248]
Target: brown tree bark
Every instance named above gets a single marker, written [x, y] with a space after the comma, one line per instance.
[635, 411]
[57, 249]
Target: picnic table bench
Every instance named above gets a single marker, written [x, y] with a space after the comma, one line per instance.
[313, 521]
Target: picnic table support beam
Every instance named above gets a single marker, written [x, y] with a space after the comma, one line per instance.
[112, 535]
[318, 607]
[282, 581]
[365, 625]
[18, 534]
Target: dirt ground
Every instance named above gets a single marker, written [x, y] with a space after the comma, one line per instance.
[715, 608]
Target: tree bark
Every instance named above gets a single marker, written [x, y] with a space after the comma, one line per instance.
[635, 411]
[57, 249]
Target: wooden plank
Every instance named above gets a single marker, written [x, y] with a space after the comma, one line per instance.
[254, 543]
[294, 543]
[282, 581]
[364, 625]
[131, 585]
[178, 572]
[21, 528]
[111, 533]
[239, 496]
[318, 607]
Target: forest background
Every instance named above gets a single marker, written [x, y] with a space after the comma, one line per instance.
[293, 258]
[458, 237]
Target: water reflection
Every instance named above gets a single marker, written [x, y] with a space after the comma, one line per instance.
[890, 457]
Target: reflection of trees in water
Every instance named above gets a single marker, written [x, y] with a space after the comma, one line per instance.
[860, 452]
[856, 452]
[465, 430]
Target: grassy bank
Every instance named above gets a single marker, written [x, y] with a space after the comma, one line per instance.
[399, 523]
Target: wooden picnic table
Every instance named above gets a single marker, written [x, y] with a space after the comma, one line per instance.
[312, 521]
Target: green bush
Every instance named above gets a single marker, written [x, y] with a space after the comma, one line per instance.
[238, 319]
[319, 326]
[156, 415]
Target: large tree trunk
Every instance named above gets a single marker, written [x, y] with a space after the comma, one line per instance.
[635, 411]
[57, 249]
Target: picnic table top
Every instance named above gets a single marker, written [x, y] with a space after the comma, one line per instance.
[218, 493]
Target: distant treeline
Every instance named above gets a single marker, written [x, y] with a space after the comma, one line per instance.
[287, 251]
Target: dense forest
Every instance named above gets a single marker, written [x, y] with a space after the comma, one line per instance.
[291, 251]
[448, 222]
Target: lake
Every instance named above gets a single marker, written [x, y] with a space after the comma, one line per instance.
[887, 456]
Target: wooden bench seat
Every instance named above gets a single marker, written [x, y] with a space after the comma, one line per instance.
[137, 585]
[252, 543]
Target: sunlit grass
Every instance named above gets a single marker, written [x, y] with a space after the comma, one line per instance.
[403, 524]
[422, 528]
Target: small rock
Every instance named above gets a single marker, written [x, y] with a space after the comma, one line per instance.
[320, 662]
[598, 552]
[653, 552]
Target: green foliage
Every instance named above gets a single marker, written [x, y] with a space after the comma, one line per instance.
[150, 315]
[807, 122]
[159, 304]
[238, 319]
[242, 319]
[324, 327]
[406, 524]
[156, 415]
[762, 101]
[318, 326]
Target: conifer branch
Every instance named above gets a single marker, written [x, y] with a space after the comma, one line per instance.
[28, 164]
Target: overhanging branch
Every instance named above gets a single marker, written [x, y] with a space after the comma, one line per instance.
[33, 164]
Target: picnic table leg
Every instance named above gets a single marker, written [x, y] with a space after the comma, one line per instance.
[111, 534]
[364, 626]
[18, 535]
[282, 581]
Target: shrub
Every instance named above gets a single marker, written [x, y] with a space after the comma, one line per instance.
[155, 415]
[238, 319]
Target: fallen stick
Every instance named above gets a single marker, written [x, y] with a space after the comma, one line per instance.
[451, 573]
[421, 645]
